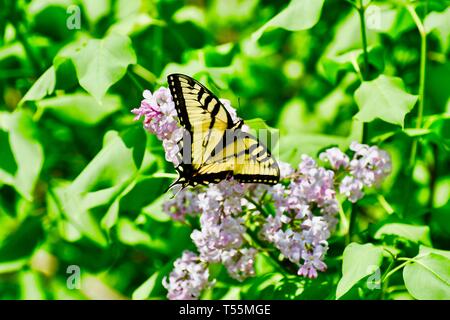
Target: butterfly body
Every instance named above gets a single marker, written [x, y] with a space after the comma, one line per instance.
[214, 147]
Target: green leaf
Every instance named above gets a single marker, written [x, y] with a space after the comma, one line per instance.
[21, 242]
[359, 261]
[93, 194]
[295, 118]
[298, 15]
[331, 64]
[257, 124]
[117, 162]
[292, 146]
[410, 232]
[190, 13]
[145, 289]
[134, 24]
[345, 47]
[43, 87]
[416, 132]
[263, 287]
[103, 62]
[139, 196]
[393, 21]
[95, 9]
[130, 234]
[80, 108]
[439, 22]
[428, 276]
[154, 210]
[384, 98]
[425, 250]
[21, 155]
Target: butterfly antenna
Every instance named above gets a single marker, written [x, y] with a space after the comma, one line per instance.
[173, 184]
[177, 192]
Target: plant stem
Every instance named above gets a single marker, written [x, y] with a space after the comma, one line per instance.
[165, 175]
[144, 73]
[433, 178]
[361, 9]
[423, 60]
[386, 282]
[386, 206]
[395, 269]
[257, 205]
[345, 225]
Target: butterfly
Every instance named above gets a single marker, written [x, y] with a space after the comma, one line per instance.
[214, 147]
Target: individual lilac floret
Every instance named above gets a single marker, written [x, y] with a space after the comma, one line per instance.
[313, 261]
[188, 279]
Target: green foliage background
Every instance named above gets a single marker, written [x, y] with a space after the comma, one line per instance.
[82, 184]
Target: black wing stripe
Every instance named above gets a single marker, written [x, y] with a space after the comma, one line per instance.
[180, 103]
[200, 94]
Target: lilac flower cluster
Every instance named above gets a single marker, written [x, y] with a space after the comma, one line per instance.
[300, 235]
[160, 118]
[188, 279]
[368, 167]
[306, 208]
[305, 203]
[220, 238]
[184, 204]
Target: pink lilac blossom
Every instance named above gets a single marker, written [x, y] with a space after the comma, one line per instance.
[240, 263]
[184, 204]
[160, 118]
[335, 157]
[368, 167]
[220, 238]
[299, 235]
[188, 279]
[285, 169]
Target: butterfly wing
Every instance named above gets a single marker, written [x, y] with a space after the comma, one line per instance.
[202, 115]
[245, 158]
[213, 155]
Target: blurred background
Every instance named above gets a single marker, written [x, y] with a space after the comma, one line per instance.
[80, 189]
